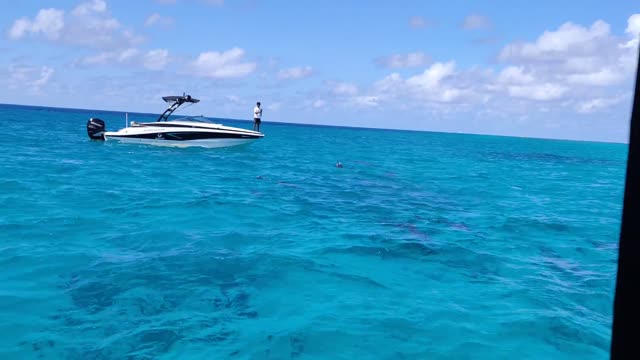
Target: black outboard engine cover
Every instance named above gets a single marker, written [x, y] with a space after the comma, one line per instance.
[95, 129]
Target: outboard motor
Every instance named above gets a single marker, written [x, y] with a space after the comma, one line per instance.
[95, 129]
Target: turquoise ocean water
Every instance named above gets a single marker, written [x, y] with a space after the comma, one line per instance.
[424, 246]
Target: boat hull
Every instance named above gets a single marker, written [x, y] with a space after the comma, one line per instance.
[184, 135]
[207, 143]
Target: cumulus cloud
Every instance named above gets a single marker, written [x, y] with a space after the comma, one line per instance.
[295, 73]
[571, 67]
[219, 65]
[569, 39]
[597, 104]
[366, 101]
[432, 77]
[540, 92]
[343, 88]
[30, 78]
[515, 75]
[475, 21]
[101, 58]
[575, 55]
[603, 77]
[633, 25]
[155, 59]
[416, 59]
[48, 23]
[88, 8]
[438, 84]
[87, 25]
[633, 31]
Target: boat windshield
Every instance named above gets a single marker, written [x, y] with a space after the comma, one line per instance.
[201, 119]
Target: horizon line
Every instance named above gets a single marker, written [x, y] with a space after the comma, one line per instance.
[332, 126]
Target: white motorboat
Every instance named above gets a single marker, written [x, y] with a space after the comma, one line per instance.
[181, 132]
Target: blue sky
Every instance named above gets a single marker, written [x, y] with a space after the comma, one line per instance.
[555, 69]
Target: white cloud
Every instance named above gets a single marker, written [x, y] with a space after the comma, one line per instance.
[633, 31]
[45, 74]
[390, 84]
[633, 25]
[343, 88]
[120, 56]
[515, 75]
[439, 84]
[553, 45]
[152, 60]
[568, 63]
[295, 73]
[87, 8]
[431, 78]
[366, 101]
[48, 23]
[571, 68]
[156, 59]
[29, 78]
[604, 77]
[19, 28]
[416, 59]
[127, 54]
[539, 92]
[157, 19]
[227, 64]
[87, 25]
[101, 58]
[475, 21]
[597, 104]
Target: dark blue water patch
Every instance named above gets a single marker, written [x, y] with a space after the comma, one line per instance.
[113, 291]
[215, 338]
[94, 296]
[520, 224]
[359, 279]
[42, 349]
[404, 250]
[231, 303]
[142, 344]
[95, 289]
[151, 343]
[556, 331]
[296, 341]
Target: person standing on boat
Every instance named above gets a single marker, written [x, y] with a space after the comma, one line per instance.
[257, 116]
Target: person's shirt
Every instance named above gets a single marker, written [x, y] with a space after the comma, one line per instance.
[257, 112]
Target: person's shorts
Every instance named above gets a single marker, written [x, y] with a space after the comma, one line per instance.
[256, 120]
